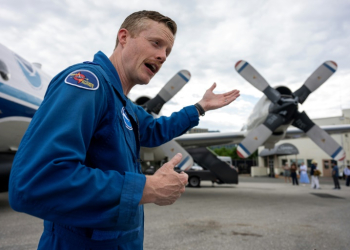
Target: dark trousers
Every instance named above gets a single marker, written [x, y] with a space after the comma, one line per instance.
[336, 182]
[348, 180]
[294, 178]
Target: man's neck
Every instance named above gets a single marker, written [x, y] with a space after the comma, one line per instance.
[115, 60]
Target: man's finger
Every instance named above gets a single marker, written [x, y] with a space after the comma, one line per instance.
[212, 87]
[232, 92]
[232, 97]
[183, 178]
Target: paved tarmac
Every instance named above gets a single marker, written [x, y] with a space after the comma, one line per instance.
[258, 213]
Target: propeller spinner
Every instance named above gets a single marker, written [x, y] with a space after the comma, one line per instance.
[284, 110]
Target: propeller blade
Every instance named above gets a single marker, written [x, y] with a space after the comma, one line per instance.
[320, 75]
[259, 135]
[319, 136]
[171, 148]
[255, 79]
[170, 89]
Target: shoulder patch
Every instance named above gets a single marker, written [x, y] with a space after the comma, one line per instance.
[84, 79]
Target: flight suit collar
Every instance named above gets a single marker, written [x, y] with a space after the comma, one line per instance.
[101, 59]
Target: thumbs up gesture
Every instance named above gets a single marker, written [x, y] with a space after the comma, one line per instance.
[166, 185]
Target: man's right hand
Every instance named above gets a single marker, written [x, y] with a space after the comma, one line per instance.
[165, 186]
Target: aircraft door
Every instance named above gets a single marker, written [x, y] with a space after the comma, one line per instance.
[327, 168]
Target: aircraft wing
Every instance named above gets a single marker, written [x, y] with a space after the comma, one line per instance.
[209, 139]
[215, 138]
[295, 133]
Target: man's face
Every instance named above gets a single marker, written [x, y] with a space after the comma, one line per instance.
[144, 54]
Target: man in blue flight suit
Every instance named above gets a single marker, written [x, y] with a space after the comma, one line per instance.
[78, 165]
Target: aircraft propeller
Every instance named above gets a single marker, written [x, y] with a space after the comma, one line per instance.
[154, 105]
[170, 89]
[320, 75]
[284, 110]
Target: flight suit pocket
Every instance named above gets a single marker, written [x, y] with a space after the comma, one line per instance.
[129, 137]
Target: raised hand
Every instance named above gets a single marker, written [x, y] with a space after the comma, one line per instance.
[211, 101]
[166, 185]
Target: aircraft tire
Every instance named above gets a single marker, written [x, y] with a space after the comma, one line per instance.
[194, 181]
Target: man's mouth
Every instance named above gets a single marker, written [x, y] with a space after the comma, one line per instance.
[152, 67]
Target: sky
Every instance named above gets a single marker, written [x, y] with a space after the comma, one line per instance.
[284, 40]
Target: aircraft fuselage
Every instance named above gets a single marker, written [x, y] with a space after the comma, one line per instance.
[22, 88]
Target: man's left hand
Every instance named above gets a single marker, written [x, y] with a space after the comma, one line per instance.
[211, 101]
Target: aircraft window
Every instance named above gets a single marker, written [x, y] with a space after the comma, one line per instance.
[4, 72]
[25, 63]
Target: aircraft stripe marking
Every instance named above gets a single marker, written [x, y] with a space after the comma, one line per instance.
[329, 67]
[21, 95]
[336, 152]
[17, 101]
[244, 148]
[183, 162]
[183, 77]
[15, 109]
[244, 65]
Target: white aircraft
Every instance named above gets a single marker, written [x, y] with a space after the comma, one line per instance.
[23, 85]
[273, 114]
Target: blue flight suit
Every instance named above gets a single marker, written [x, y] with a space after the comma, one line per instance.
[78, 165]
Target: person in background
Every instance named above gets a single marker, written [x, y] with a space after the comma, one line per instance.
[286, 172]
[304, 179]
[313, 177]
[335, 175]
[316, 175]
[293, 173]
[347, 175]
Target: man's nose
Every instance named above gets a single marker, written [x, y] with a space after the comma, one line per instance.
[162, 56]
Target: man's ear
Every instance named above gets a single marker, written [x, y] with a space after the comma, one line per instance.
[123, 34]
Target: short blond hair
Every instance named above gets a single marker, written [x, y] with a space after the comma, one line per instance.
[135, 22]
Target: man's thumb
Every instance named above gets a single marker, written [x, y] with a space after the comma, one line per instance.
[213, 87]
[174, 161]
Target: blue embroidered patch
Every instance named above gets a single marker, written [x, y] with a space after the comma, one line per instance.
[126, 119]
[84, 79]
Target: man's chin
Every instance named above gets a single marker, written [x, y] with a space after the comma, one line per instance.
[145, 81]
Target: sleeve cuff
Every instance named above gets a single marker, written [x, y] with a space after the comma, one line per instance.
[131, 196]
[192, 114]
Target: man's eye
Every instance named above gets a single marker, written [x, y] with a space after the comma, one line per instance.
[156, 42]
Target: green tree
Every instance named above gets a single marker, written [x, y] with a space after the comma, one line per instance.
[223, 151]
